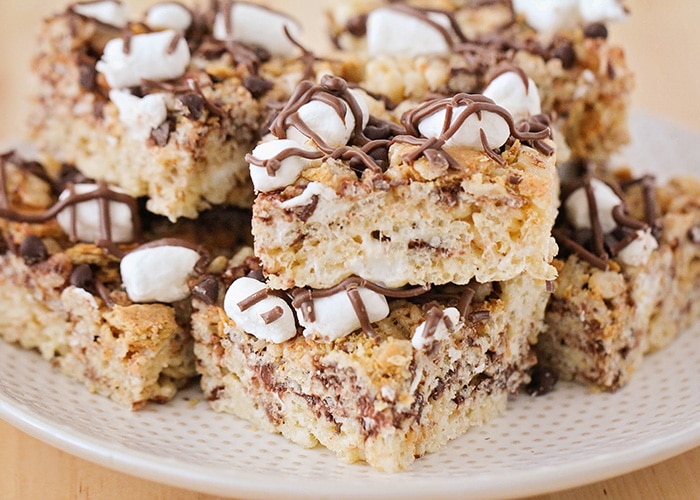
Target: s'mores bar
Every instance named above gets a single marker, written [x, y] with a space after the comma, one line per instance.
[415, 49]
[629, 279]
[96, 287]
[399, 276]
[166, 106]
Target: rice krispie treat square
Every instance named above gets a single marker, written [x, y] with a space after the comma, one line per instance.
[79, 285]
[628, 276]
[456, 192]
[432, 366]
[167, 105]
[411, 50]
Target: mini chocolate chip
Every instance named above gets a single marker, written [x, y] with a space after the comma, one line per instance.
[257, 86]
[4, 245]
[33, 250]
[82, 276]
[194, 103]
[161, 133]
[542, 381]
[256, 274]
[566, 53]
[207, 290]
[596, 30]
[378, 131]
[262, 55]
[87, 76]
[357, 25]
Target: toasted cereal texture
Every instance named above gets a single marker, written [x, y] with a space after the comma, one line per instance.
[584, 82]
[414, 223]
[380, 401]
[195, 158]
[600, 323]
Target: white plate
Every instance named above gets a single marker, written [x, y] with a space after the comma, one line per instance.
[567, 438]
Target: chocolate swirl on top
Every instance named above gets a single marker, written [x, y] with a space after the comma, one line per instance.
[473, 104]
[302, 298]
[103, 194]
[332, 91]
[593, 245]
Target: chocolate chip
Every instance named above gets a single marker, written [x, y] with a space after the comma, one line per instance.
[194, 104]
[378, 131]
[357, 25]
[33, 250]
[566, 53]
[161, 133]
[261, 54]
[256, 86]
[82, 276]
[207, 290]
[596, 30]
[542, 381]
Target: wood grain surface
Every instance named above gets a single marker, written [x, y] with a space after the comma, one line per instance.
[662, 44]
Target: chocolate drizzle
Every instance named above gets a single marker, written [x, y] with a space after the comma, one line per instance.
[472, 104]
[102, 194]
[302, 298]
[593, 245]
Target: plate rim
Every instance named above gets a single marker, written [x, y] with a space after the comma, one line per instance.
[251, 484]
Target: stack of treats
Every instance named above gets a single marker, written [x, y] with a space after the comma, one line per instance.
[363, 249]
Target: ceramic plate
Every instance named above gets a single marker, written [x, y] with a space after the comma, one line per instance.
[564, 439]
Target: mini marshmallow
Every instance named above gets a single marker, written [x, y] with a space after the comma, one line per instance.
[306, 197]
[335, 317]
[323, 120]
[549, 16]
[509, 91]
[140, 114]
[637, 253]
[148, 58]
[88, 221]
[289, 170]
[109, 12]
[158, 274]
[396, 33]
[494, 126]
[419, 341]
[576, 206]
[259, 26]
[602, 11]
[252, 320]
[171, 15]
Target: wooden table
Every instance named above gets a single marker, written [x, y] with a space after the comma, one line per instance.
[663, 45]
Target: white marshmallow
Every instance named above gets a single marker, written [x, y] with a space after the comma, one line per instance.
[508, 91]
[88, 220]
[324, 121]
[602, 11]
[362, 98]
[576, 206]
[335, 317]
[148, 58]
[158, 274]
[259, 26]
[140, 114]
[251, 320]
[419, 341]
[494, 126]
[549, 16]
[392, 32]
[108, 12]
[289, 170]
[638, 252]
[171, 15]
[312, 189]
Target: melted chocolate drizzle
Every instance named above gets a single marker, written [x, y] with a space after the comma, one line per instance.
[596, 247]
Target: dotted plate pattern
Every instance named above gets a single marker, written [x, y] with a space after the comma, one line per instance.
[569, 437]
